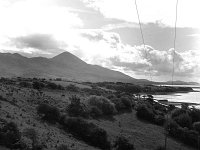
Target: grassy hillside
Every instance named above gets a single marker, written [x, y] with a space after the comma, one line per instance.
[20, 98]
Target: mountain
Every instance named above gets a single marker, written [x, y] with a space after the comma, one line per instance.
[64, 65]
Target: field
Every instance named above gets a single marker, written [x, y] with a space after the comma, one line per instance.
[19, 101]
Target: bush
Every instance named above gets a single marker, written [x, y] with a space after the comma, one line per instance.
[49, 113]
[127, 102]
[63, 147]
[118, 104]
[189, 137]
[145, 112]
[123, 144]
[88, 132]
[159, 120]
[160, 148]
[95, 112]
[196, 126]
[104, 104]
[171, 127]
[195, 114]
[54, 86]
[184, 120]
[72, 88]
[38, 85]
[177, 112]
[10, 136]
[76, 108]
[25, 84]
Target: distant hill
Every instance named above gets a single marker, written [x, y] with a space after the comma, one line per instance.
[181, 83]
[64, 65]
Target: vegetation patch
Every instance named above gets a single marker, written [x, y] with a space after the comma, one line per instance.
[88, 132]
[48, 113]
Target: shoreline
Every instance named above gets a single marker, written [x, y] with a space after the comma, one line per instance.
[166, 102]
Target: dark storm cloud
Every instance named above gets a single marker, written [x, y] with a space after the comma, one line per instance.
[43, 42]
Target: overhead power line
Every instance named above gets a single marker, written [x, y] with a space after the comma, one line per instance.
[143, 41]
[174, 52]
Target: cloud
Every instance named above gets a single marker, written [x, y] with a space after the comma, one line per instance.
[106, 49]
[37, 41]
[150, 11]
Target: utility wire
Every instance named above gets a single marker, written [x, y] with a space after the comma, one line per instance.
[142, 37]
[174, 52]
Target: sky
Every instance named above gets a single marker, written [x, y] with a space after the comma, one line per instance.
[107, 33]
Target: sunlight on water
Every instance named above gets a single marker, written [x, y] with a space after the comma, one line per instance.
[190, 97]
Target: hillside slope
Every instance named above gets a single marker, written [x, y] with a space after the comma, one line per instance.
[19, 106]
[64, 65]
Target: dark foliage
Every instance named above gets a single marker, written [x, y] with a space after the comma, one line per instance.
[38, 85]
[123, 144]
[159, 120]
[63, 147]
[49, 113]
[194, 114]
[95, 112]
[104, 104]
[160, 148]
[144, 112]
[184, 120]
[177, 112]
[76, 108]
[186, 135]
[10, 136]
[88, 132]
[73, 88]
[196, 126]
[54, 86]
[25, 84]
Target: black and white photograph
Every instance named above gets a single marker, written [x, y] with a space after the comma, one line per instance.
[99, 75]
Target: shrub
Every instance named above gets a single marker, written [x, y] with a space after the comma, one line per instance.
[189, 137]
[25, 84]
[63, 147]
[95, 112]
[145, 112]
[195, 114]
[104, 104]
[72, 88]
[160, 108]
[127, 102]
[10, 136]
[159, 120]
[54, 86]
[160, 148]
[76, 108]
[123, 144]
[177, 112]
[118, 104]
[171, 127]
[88, 132]
[49, 113]
[38, 85]
[184, 120]
[33, 136]
[171, 107]
[196, 126]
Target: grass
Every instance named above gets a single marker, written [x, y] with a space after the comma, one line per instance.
[20, 107]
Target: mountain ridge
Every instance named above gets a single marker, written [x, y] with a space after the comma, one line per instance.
[67, 66]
